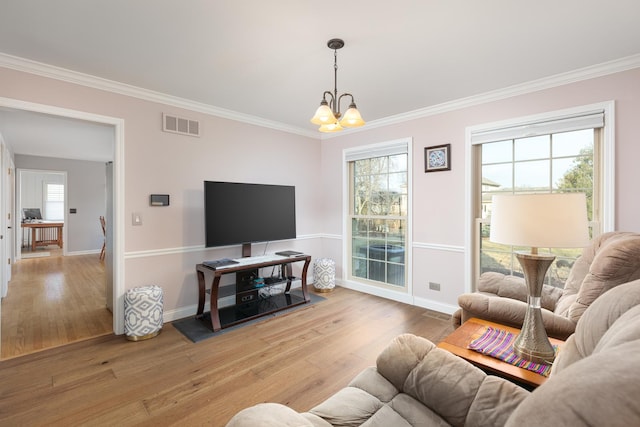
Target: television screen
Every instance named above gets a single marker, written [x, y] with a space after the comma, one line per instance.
[238, 213]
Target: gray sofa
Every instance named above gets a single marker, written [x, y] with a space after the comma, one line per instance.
[610, 259]
[595, 381]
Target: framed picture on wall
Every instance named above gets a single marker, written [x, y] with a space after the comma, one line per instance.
[437, 158]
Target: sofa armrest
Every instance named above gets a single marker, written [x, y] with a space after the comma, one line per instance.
[511, 312]
[515, 288]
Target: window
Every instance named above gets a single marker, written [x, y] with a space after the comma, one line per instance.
[378, 215]
[54, 202]
[568, 151]
[553, 163]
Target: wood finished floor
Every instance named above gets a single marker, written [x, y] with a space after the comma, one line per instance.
[298, 359]
[53, 301]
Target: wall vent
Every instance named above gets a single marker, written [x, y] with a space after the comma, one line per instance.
[180, 125]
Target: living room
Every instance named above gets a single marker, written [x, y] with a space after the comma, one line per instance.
[168, 244]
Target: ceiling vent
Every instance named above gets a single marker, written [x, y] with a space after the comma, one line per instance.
[180, 125]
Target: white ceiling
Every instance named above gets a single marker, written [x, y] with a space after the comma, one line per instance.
[269, 59]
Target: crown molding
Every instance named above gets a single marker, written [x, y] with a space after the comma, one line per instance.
[69, 76]
[50, 71]
[591, 72]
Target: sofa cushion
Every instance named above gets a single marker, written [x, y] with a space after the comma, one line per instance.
[375, 384]
[599, 322]
[386, 417]
[412, 412]
[601, 390]
[350, 406]
[613, 260]
[495, 401]
[274, 415]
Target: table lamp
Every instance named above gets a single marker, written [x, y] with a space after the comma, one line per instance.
[539, 221]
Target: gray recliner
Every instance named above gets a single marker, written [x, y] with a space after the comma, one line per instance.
[610, 260]
[595, 381]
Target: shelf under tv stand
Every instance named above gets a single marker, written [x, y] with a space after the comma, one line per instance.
[229, 316]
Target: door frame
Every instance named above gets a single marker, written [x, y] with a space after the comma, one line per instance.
[118, 191]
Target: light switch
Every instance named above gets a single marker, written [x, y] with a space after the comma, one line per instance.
[136, 218]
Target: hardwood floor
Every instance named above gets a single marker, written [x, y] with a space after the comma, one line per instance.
[53, 301]
[298, 359]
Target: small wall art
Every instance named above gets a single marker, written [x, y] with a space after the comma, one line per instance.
[437, 158]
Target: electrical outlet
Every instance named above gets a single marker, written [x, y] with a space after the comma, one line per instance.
[434, 286]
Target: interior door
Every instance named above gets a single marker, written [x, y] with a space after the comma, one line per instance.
[5, 222]
[10, 197]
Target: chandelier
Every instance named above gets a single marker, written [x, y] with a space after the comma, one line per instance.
[328, 114]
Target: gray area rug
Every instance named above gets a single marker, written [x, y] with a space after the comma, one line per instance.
[200, 329]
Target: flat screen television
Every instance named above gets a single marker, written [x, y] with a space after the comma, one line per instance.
[242, 213]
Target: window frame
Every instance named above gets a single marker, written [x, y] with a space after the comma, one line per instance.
[397, 293]
[606, 174]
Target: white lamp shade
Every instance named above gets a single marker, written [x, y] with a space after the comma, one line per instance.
[540, 220]
[352, 118]
[323, 115]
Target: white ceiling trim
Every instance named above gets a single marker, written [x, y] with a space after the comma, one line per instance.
[45, 70]
[70, 76]
[599, 70]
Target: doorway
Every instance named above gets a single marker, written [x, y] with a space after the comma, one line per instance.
[114, 257]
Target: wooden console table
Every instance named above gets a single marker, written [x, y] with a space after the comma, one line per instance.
[457, 343]
[229, 316]
[50, 233]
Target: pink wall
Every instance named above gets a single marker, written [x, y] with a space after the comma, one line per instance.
[439, 205]
[165, 249]
[158, 162]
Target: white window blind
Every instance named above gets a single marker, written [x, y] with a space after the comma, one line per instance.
[381, 150]
[54, 202]
[584, 120]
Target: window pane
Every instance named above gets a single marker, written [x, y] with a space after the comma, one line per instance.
[398, 163]
[574, 173]
[379, 165]
[362, 167]
[497, 176]
[532, 175]
[572, 143]
[536, 147]
[497, 152]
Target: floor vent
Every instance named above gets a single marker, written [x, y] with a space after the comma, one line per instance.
[180, 125]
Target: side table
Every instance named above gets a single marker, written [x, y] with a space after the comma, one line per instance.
[459, 339]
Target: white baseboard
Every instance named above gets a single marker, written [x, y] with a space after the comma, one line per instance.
[435, 306]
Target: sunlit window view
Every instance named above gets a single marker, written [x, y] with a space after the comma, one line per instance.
[555, 163]
[379, 219]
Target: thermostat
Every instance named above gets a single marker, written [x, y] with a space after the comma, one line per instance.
[159, 200]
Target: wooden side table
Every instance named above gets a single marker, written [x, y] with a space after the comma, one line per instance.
[458, 341]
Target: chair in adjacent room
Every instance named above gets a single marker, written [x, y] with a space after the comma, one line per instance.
[104, 235]
[611, 259]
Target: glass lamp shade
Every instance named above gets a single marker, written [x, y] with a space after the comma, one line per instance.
[324, 115]
[331, 127]
[352, 117]
[540, 220]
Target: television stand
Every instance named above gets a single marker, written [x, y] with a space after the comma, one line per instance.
[239, 313]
